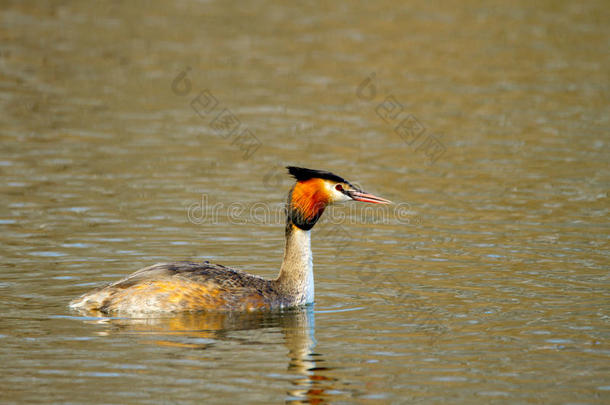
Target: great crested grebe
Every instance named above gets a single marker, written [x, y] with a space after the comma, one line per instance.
[188, 286]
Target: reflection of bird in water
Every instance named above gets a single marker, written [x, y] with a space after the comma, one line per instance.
[186, 286]
[205, 330]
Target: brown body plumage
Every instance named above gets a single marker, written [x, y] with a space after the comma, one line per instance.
[188, 286]
[184, 286]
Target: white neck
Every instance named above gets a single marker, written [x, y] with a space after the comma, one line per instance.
[296, 275]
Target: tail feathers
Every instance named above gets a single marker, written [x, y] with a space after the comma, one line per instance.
[91, 301]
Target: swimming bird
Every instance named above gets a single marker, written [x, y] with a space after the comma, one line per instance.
[189, 286]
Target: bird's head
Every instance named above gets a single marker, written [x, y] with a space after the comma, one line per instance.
[315, 190]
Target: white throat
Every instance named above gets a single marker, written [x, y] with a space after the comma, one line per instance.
[296, 274]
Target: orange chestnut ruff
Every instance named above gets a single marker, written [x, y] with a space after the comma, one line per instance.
[308, 199]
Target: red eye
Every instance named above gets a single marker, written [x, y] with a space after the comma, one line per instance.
[339, 187]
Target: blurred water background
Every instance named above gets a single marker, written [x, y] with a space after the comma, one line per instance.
[486, 122]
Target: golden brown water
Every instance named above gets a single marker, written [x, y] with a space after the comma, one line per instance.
[486, 123]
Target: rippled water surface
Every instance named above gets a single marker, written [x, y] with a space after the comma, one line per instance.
[486, 282]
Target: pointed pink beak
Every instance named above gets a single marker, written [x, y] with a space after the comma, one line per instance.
[369, 198]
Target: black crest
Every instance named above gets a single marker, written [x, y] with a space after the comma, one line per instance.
[302, 174]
